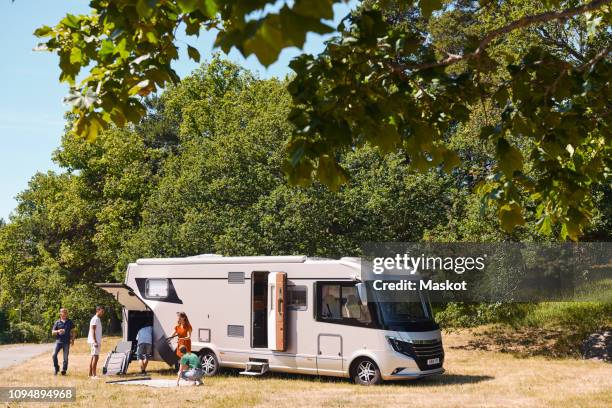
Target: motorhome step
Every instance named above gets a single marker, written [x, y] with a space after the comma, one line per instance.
[255, 368]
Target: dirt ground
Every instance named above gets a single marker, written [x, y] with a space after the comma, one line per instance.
[474, 378]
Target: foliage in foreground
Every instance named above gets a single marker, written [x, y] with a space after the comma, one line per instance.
[399, 75]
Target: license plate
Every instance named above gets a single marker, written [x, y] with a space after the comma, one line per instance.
[433, 361]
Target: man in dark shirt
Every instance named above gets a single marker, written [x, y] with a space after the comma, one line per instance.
[63, 331]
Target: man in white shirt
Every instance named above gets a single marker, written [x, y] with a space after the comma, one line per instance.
[94, 338]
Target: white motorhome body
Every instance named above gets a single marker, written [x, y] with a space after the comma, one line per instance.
[283, 313]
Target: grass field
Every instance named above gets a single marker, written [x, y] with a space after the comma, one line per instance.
[473, 379]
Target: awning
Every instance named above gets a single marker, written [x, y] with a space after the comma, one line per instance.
[124, 295]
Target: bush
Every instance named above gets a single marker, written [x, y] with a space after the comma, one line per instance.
[454, 315]
[583, 317]
[25, 332]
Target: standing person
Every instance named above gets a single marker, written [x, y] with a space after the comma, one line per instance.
[63, 330]
[183, 331]
[144, 350]
[94, 339]
[190, 367]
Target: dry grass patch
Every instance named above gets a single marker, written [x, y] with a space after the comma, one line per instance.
[474, 378]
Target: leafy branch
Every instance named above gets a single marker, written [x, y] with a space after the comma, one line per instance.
[515, 25]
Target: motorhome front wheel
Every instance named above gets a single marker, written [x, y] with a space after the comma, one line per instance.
[366, 372]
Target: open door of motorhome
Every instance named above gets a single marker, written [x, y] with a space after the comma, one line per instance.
[277, 285]
[124, 295]
[118, 360]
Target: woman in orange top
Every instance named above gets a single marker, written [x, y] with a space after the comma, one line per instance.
[183, 330]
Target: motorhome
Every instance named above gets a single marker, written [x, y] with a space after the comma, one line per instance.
[290, 314]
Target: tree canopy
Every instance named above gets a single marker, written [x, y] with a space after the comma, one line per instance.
[398, 75]
[398, 79]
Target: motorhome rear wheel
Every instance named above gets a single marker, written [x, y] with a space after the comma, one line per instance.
[210, 364]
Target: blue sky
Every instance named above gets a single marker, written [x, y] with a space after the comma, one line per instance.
[31, 109]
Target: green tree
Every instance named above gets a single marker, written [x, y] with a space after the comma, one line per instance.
[224, 190]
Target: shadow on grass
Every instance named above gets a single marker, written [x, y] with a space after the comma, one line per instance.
[527, 342]
[447, 379]
[439, 380]
[165, 371]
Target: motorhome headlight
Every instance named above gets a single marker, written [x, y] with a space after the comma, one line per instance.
[400, 345]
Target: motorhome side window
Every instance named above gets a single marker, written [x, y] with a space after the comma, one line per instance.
[297, 296]
[339, 303]
[157, 288]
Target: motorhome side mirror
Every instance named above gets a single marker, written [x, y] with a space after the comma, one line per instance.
[361, 291]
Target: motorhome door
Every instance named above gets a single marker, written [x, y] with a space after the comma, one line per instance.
[124, 295]
[277, 284]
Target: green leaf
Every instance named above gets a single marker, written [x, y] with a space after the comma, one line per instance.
[187, 6]
[295, 27]
[75, 55]
[267, 42]
[509, 158]
[151, 36]
[387, 137]
[43, 31]
[209, 8]
[574, 222]
[510, 215]
[143, 9]
[192, 26]
[71, 21]
[107, 48]
[193, 53]
[89, 125]
[451, 160]
[501, 96]
[96, 124]
[429, 6]
[486, 132]
[330, 173]
[545, 225]
[315, 8]
[299, 175]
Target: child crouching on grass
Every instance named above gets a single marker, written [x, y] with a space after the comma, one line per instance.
[190, 367]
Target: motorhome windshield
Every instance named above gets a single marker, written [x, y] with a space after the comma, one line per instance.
[405, 311]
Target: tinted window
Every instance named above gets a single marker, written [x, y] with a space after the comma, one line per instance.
[339, 303]
[330, 302]
[157, 288]
[297, 297]
[352, 307]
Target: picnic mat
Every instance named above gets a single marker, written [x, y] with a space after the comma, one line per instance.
[159, 383]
